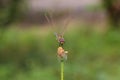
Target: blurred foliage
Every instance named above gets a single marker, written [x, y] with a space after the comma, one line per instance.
[9, 11]
[31, 55]
[12, 11]
[113, 10]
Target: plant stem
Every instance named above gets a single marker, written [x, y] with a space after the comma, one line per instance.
[62, 70]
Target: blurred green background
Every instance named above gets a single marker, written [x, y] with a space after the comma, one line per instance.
[28, 47]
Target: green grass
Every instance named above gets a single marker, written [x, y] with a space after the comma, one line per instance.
[31, 55]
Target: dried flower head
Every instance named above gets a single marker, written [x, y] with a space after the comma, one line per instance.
[62, 54]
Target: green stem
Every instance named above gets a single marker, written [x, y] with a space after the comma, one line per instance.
[62, 70]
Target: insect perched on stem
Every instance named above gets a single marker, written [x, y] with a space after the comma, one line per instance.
[62, 54]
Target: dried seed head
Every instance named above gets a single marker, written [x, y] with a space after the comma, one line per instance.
[62, 54]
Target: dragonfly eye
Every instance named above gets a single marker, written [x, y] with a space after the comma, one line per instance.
[61, 40]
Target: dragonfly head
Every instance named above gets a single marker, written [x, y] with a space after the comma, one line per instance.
[60, 39]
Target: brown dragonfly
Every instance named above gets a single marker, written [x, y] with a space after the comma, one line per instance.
[62, 54]
[60, 39]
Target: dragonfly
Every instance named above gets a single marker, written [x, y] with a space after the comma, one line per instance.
[61, 53]
[60, 39]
